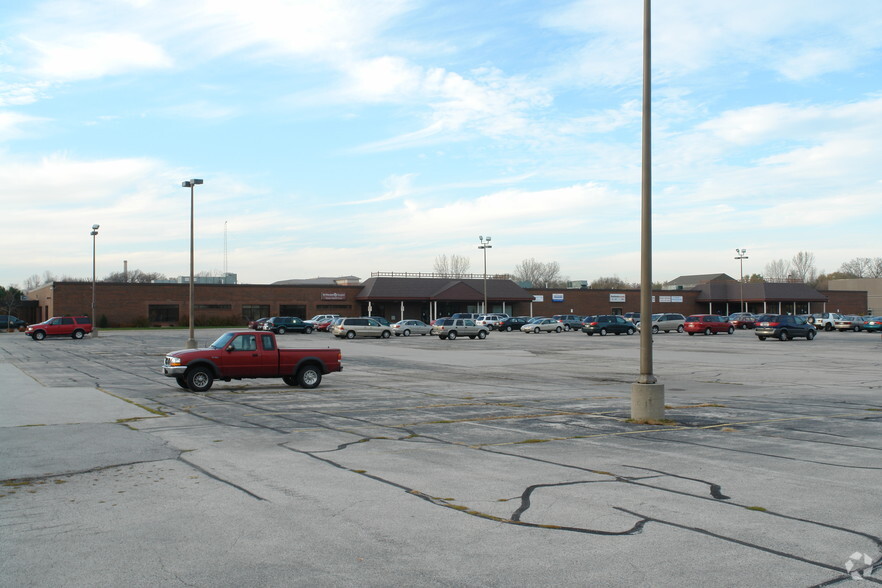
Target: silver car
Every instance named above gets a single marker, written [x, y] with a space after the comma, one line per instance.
[543, 325]
[667, 322]
[410, 327]
[451, 328]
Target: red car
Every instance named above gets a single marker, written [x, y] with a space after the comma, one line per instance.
[707, 324]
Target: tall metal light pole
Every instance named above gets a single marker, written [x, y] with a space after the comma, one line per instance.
[647, 396]
[485, 245]
[741, 257]
[94, 318]
[191, 342]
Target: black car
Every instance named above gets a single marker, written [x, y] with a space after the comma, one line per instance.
[7, 321]
[513, 323]
[608, 323]
[783, 327]
[282, 324]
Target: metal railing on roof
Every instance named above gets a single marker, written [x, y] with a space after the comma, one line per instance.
[437, 275]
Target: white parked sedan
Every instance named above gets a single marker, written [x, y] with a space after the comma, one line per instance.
[410, 327]
[546, 325]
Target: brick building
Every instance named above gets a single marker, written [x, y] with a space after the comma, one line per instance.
[122, 304]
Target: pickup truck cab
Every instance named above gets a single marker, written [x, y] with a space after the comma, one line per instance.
[60, 326]
[237, 355]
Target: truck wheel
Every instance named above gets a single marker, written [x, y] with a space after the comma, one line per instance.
[810, 335]
[350, 334]
[451, 335]
[603, 332]
[679, 329]
[181, 382]
[78, 334]
[281, 330]
[309, 377]
[828, 327]
[654, 329]
[482, 334]
[38, 335]
[307, 330]
[199, 379]
[707, 331]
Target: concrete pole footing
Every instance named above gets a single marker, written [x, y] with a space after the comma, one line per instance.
[648, 401]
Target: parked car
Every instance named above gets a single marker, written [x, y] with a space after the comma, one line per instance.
[569, 321]
[323, 324]
[784, 327]
[849, 323]
[320, 318]
[824, 320]
[451, 328]
[608, 323]
[257, 324]
[491, 321]
[632, 317]
[382, 320]
[742, 320]
[282, 324]
[545, 325]
[513, 323]
[7, 321]
[872, 323]
[708, 324]
[410, 326]
[61, 326]
[364, 326]
[465, 315]
[667, 322]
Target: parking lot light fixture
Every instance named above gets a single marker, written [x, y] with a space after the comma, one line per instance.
[191, 341]
[94, 234]
[485, 245]
[741, 257]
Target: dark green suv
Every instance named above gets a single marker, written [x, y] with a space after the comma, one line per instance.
[282, 324]
[608, 323]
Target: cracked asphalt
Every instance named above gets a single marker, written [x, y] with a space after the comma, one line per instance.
[503, 462]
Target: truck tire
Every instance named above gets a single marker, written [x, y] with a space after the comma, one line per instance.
[78, 334]
[181, 382]
[309, 377]
[38, 335]
[280, 331]
[451, 335]
[199, 379]
[350, 334]
[482, 334]
[810, 335]
[307, 330]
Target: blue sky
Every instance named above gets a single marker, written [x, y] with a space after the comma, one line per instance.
[346, 137]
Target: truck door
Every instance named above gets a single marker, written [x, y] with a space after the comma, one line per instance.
[245, 358]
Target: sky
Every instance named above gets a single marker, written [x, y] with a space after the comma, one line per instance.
[346, 137]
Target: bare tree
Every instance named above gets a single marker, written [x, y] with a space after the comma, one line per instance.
[803, 266]
[33, 282]
[539, 274]
[609, 283]
[778, 270]
[134, 277]
[863, 267]
[455, 266]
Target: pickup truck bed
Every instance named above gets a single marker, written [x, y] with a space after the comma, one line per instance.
[237, 355]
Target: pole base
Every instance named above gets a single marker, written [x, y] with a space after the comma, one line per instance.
[648, 401]
[192, 344]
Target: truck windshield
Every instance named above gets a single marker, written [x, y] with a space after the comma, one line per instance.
[222, 341]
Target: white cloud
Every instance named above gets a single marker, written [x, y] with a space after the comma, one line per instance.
[93, 55]
[12, 124]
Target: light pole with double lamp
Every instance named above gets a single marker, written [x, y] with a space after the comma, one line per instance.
[94, 234]
[485, 245]
[741, 257]
[191, 341]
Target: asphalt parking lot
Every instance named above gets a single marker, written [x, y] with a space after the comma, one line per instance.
[503, 462]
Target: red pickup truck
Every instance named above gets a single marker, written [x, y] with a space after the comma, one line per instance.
[236, 355]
